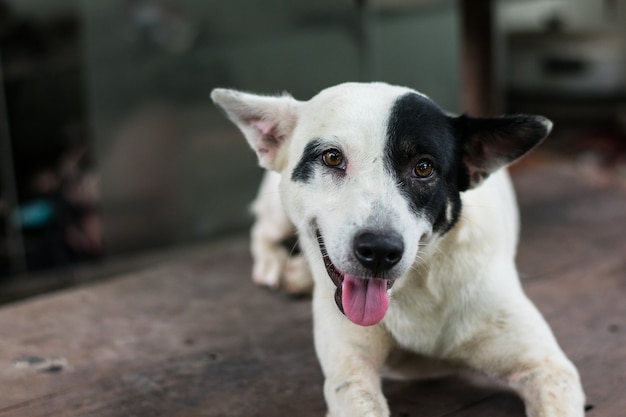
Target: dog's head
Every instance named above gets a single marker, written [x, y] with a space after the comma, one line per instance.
[371, 171]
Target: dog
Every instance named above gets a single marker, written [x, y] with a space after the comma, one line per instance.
[407, 222]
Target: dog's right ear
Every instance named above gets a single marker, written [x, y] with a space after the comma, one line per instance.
[267, 122]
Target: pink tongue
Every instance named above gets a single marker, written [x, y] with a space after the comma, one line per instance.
[364, 301]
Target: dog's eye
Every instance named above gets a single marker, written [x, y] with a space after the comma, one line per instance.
[424, 168]
[333, 158]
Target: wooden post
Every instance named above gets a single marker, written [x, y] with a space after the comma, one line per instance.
[478, 84]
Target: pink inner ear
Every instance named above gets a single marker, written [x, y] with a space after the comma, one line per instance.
[264, 126]
[266, 141]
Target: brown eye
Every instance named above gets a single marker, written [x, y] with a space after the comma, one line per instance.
[333, 158]
[424, 168]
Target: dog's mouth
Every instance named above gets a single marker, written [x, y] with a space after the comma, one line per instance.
[363, 300]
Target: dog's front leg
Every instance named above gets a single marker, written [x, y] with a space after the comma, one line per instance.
[351, 357]
[550, 388]
[524, 353]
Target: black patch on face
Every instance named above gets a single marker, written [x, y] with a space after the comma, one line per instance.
[303, 172]
[418, 129]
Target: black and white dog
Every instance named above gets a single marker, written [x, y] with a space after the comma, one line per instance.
[408, 226]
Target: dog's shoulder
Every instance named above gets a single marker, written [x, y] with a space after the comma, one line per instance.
[489, 215]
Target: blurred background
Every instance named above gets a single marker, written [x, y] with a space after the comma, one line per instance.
[112, 154]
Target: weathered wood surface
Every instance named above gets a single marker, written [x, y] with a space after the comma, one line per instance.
[198, 339]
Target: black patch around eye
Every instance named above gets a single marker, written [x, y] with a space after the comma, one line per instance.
[417, 126]
[303, 171]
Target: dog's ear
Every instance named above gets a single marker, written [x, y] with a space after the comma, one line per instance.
[489, 144]
[266, 121]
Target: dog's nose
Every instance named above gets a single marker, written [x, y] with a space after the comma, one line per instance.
[378, 252]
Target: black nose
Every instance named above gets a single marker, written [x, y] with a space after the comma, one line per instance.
[378, 252]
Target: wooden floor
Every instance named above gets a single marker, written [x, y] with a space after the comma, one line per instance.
[198, 339]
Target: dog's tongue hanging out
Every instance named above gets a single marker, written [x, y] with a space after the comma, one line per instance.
[365, 301]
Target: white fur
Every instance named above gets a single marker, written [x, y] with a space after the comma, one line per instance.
[457, 297]
[274, 265]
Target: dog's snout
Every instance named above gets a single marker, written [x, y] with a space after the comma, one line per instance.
[378, 252]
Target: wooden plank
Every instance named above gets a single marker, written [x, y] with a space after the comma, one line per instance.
[452, 396]
[196, 337]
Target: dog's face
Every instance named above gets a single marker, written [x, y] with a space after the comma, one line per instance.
[371, 172]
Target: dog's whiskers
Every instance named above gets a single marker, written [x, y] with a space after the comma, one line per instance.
[294, 247]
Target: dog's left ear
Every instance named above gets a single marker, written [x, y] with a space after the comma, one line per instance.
[266, 121]
[489, 144]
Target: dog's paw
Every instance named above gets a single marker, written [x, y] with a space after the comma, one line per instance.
[297, 276]
[268, 268]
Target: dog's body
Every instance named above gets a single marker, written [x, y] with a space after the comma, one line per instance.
[409, 227]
